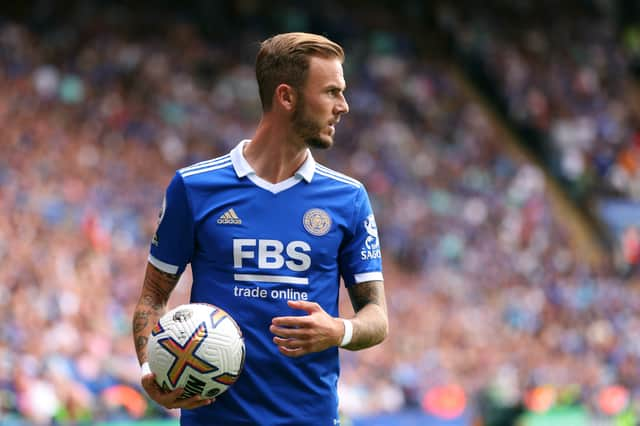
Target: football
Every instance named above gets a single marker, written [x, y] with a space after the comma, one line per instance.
[196, 346]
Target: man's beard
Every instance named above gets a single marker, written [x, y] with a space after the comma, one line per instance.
[308, 129]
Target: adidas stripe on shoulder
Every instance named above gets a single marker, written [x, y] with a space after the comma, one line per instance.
[206, 166]
[325, 171]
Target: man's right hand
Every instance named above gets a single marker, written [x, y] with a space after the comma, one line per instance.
[171, 399]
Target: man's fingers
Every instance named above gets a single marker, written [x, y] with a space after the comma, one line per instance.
[162, 397]
[171, 399]
[167, 399]
[288, 331]
[291, 321]
[288, 343]
[190, 403]
[153, 388]
[309, 307]
[198, 404]
[195, 401]
[173, 395]
[294, 353]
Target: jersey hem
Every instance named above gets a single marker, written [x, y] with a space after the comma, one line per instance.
[368, 276]
[163, 266]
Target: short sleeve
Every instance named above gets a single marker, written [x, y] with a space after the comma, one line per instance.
[172, 244]
[360, 256]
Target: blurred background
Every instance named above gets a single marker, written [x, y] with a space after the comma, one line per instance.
[499, 142]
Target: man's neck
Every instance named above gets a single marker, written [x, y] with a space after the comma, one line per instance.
[274, 155]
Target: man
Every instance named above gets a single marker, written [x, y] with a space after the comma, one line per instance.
[268, 233]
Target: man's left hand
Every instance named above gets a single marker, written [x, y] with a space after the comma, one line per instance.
[301, 335]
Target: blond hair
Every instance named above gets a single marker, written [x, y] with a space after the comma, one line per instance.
[284, 59]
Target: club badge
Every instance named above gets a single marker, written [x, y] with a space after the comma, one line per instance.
[317, 222]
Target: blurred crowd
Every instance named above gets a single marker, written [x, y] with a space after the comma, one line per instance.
[568, 74]
[485, 289]
[568, 79]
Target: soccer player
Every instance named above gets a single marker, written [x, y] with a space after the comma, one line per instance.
[268, 233]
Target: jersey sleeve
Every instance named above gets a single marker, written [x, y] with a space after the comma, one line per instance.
[173, 243]
[360, 257]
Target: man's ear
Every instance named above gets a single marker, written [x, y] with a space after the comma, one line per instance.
[286, 96]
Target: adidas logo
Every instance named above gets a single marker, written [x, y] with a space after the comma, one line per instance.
[229, 218]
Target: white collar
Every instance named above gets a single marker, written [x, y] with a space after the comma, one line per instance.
[243, 168]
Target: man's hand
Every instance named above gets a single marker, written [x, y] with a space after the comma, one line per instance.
[301, 335]
[171, 399]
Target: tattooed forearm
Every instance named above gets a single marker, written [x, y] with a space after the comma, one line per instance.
[140, 321]
[155, 293]
[365, 293]
[158, 285]
[141, 343]
[370, 325]
[152, 302]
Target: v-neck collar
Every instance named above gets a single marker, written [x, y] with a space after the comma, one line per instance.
[243, 168]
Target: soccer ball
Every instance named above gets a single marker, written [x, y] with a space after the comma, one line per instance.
[196, 346]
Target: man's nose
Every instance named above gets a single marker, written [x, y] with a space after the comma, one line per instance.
[342, 106]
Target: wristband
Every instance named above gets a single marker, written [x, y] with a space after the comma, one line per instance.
[145, 369]
[348, 333]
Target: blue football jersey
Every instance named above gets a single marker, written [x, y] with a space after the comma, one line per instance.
[252, 246]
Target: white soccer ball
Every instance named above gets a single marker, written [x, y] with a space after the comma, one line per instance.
[196, 346]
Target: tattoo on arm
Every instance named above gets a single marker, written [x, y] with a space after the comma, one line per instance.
[371, 322]
[156, 290]
[365, 293]
[141, 343]
[140, 321]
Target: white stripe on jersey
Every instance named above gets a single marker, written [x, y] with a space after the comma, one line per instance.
[208, 169]
[205, 163]
[163, 266]
[339, 178]
[332, 172]
[368, 276]
[271, 278]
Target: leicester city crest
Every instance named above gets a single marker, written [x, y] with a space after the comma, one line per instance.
[317, 222]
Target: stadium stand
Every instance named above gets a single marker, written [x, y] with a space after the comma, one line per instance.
[489, 292]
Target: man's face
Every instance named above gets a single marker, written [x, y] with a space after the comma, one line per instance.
[321, 102]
